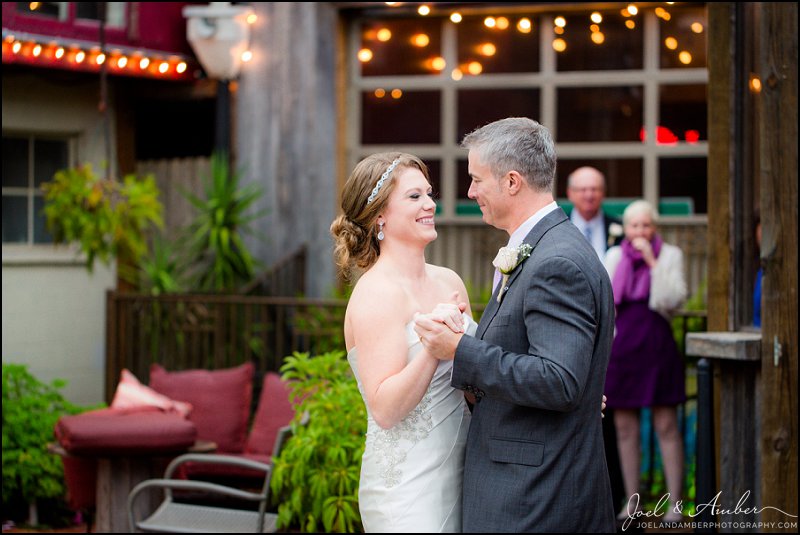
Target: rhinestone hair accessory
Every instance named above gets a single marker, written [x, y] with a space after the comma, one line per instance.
[383, 178]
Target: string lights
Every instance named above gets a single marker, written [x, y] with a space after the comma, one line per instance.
[44, 51]
[524, 25]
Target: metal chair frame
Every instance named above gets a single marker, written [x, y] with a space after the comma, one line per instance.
[175, 517]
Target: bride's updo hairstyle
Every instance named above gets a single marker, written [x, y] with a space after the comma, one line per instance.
[364, 197]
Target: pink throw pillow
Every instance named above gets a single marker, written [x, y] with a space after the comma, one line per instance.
[220, 400]
[132, 393]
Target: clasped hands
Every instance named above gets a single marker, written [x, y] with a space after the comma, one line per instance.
[442, 329]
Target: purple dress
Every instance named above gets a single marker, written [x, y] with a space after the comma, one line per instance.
[645, 369]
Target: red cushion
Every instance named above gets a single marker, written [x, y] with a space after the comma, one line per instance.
[109, 432]
[205, 471]
[80, 476]
[220, 401]
[274, 411]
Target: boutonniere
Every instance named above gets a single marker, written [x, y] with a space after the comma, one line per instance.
[507, 260]
[615, 230]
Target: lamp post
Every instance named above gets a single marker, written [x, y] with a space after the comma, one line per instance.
[219, 35]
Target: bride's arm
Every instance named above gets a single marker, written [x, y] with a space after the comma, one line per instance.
[393, 387]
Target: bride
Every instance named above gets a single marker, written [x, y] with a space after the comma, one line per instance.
[417, 425]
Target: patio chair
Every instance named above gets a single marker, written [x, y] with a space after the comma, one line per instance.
[172, 516]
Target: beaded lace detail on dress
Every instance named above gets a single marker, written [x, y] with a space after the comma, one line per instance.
[412, 428]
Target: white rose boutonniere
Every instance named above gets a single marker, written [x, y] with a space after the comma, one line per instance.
[615, 230]
[507, 260]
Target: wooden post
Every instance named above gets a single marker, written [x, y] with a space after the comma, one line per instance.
[778, 132]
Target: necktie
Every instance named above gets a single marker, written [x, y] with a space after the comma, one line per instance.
[497, 278]
[587, 231]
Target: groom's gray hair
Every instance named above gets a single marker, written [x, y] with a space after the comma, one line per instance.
[516, 144]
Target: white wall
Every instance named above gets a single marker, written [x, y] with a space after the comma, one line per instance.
[54, 322]
[53, 309]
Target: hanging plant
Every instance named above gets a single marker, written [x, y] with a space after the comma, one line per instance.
[107, 218]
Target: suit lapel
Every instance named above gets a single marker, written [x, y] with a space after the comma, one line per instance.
[552, 219]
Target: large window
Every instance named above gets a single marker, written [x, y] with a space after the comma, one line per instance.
[28, 162]
[622, 90]
[76, 11]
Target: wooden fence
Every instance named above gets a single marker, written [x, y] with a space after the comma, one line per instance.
[211, 331]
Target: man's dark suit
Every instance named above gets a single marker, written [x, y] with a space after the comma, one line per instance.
[537, 363]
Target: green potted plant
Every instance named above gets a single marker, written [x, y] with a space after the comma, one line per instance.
[31, 409]
[218, 258]
[316, 475]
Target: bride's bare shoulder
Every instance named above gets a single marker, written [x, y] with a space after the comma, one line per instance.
[446, 276]
[375, 294]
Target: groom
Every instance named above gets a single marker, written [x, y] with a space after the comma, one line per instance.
[537, 363]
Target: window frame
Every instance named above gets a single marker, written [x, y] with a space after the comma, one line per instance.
[15, 252]
[651, 77]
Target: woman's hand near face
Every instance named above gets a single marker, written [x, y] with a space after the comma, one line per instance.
[643, 245]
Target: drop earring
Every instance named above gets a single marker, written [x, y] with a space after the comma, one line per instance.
[381, 236]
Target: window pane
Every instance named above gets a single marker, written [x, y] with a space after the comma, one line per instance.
[87, 10]
[464, 205]
[499, 49]
[115, 14]
[477, 107]
[435, 172]
[401, 46]
[49, 156]
[15, 162]
[623, 176]
[40, 232]
[599, 114]
[46, 9]
[683, 110]
[15, 219]
[608, 45]
[683, 182]
[412, 117]
[683, 37]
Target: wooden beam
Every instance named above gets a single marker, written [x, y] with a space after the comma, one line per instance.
[778, 132]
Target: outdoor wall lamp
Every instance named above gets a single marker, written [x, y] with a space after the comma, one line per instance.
[219, 35]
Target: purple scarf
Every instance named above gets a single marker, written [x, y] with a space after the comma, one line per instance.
[631, 280]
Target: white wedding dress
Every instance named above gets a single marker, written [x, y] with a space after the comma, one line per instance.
[411, 474]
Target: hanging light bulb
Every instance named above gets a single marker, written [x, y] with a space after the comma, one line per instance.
[364, 55]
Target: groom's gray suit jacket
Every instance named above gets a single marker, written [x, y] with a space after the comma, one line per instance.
[535, 459]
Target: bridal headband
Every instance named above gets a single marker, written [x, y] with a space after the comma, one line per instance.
[383, 178]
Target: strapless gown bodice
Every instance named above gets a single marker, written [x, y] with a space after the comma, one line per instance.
[411, 474]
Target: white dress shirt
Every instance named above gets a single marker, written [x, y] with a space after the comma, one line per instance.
[515, 240]
[596, 227]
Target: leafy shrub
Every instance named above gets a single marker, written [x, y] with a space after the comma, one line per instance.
[218, 258]
[30, 411]
[316, 474]
[109, 219]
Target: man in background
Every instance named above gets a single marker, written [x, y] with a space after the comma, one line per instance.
[586, 189]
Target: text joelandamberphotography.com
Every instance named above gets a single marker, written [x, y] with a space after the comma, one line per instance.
[652, 518]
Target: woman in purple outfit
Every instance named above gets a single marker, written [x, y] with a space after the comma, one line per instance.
[646, 369]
